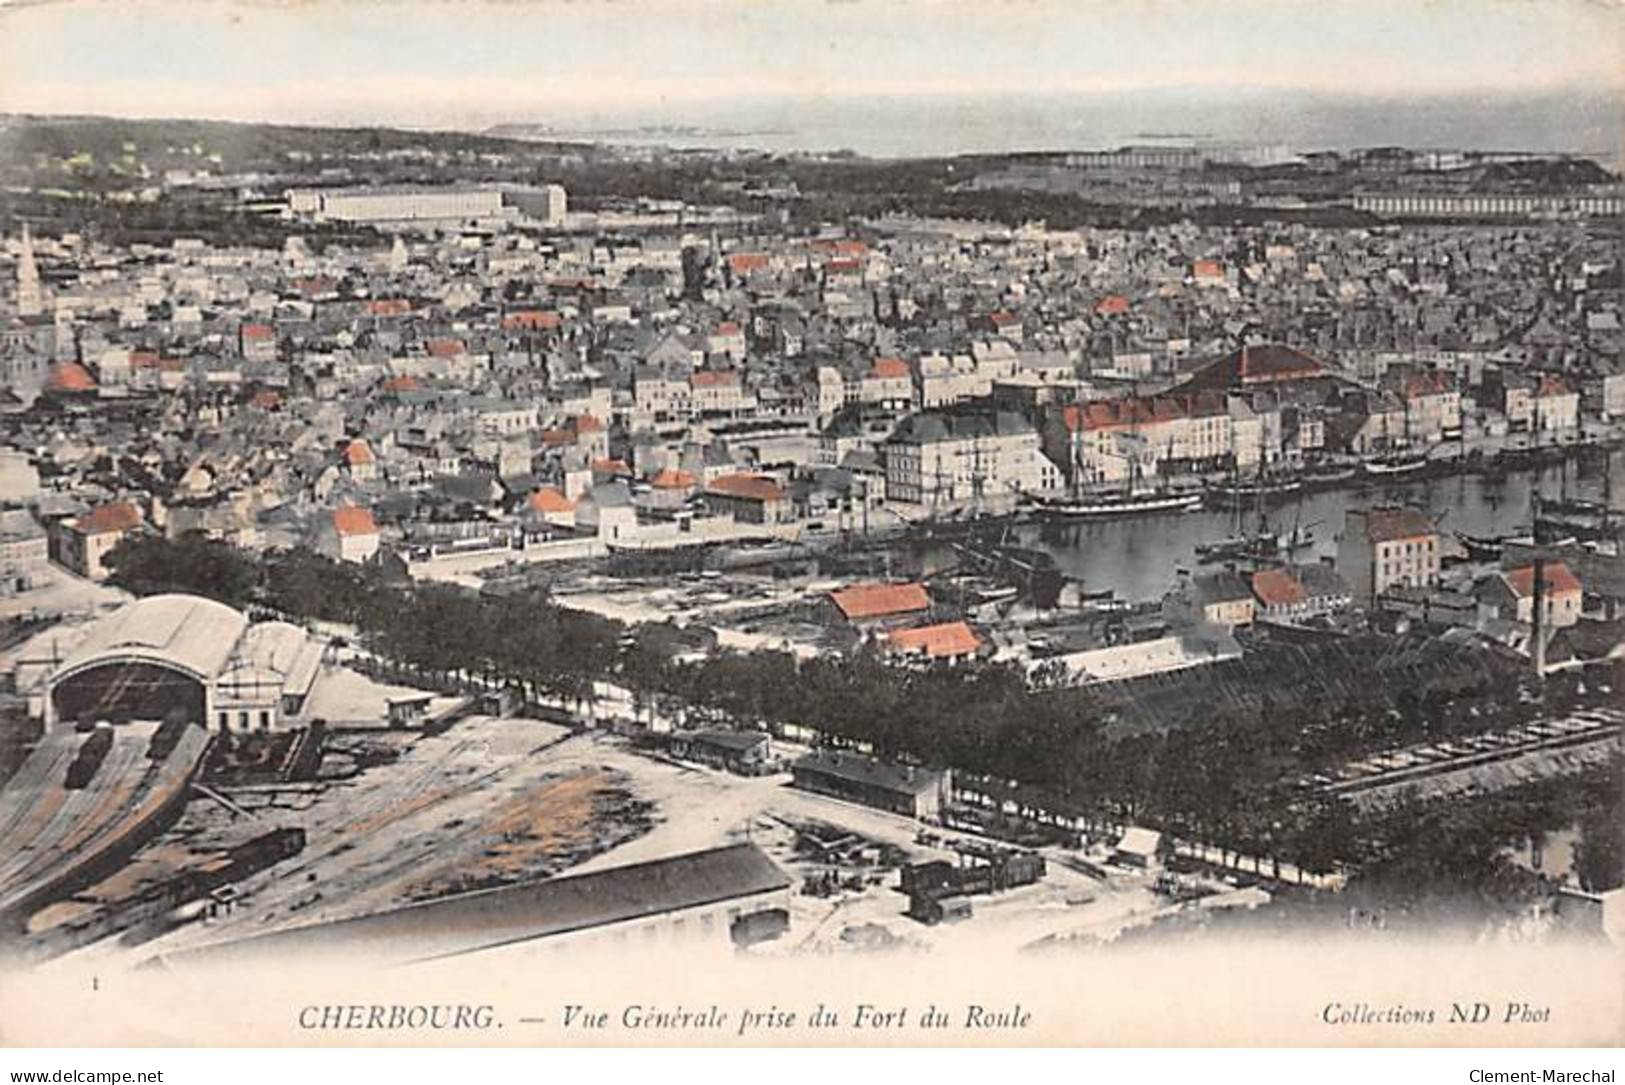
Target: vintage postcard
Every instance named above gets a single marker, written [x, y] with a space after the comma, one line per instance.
[857, 523]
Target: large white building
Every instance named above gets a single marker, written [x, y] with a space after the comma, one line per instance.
[398, 205]
[555, 204]
[1110, 441]
[1381, 549]
[964, 455]
[1473, 205]
[1556, 406]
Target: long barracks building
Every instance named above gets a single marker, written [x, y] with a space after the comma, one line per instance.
[1470, 205]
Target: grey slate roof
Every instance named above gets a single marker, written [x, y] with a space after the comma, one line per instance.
[855, 768]
[492, 918]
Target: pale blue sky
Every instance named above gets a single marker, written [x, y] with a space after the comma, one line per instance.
[447, 62]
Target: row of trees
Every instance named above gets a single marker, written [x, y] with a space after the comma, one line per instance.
[1226, 772]
[440, 634]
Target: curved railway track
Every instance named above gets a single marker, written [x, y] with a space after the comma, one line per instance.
[61, 832]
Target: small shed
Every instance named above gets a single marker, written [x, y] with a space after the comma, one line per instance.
[406, 711]
[1138, 847]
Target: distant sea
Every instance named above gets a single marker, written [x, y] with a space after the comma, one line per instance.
[940, 125]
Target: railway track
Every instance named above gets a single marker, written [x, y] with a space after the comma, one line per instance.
[1416, 764]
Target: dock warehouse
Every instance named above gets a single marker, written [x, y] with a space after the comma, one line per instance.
[909, 790]
[732, 893]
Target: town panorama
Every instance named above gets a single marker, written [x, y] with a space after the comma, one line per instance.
[467, 545]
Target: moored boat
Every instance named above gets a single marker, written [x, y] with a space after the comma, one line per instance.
[1119, 504]
[1329, 476]
[1398, 464]
[1268, 487]
[1480, 547]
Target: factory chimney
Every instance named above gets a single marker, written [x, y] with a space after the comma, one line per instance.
[1539, 648]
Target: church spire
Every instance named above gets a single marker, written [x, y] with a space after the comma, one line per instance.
[29, 300]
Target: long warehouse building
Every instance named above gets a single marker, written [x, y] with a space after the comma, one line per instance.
[731, 895]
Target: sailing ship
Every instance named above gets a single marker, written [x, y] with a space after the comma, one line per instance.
[1572, 517]
[1121, 503]
[1137, 498]
[975, 519]
[1574, 506]
[1399, 461]
[1263, 544]
[1260, 486]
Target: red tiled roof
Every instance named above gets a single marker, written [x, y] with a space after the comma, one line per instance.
[1392, 525]
[1207, 269]
[314, 285]
[70, 377]
[358, 453]
[552, 438]
[1277, 588]
[743, 263]
[1112, 305]
[267, 399]
[670, 479]
[878, 600]
[750, 487]
[586, 423]
[258, 331]
[713, 378]
[116, 516]
[532, 318]
[937, 641]
[611, 467]
[1418, 385]
[389, 307]
[1270, 362]
[1552, 386]
[1002, 319]
[1555, 575]
[404, 383]
[727, 328]
[1261, 364]
[889, 368]
[549, 499]
[354, 520]
[445, 348]
[143, 359]
[840, 247]
[1101, 414]
[842, 266]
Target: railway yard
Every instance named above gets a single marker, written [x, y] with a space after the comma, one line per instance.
[391, 816]
[396, 816]
[494, 801]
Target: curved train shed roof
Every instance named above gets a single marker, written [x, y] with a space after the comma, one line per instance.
[186, 632]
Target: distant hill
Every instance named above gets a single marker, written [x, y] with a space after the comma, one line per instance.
[1545, 174]
[166, 142]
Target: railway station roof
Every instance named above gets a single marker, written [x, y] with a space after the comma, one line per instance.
[187, 632]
